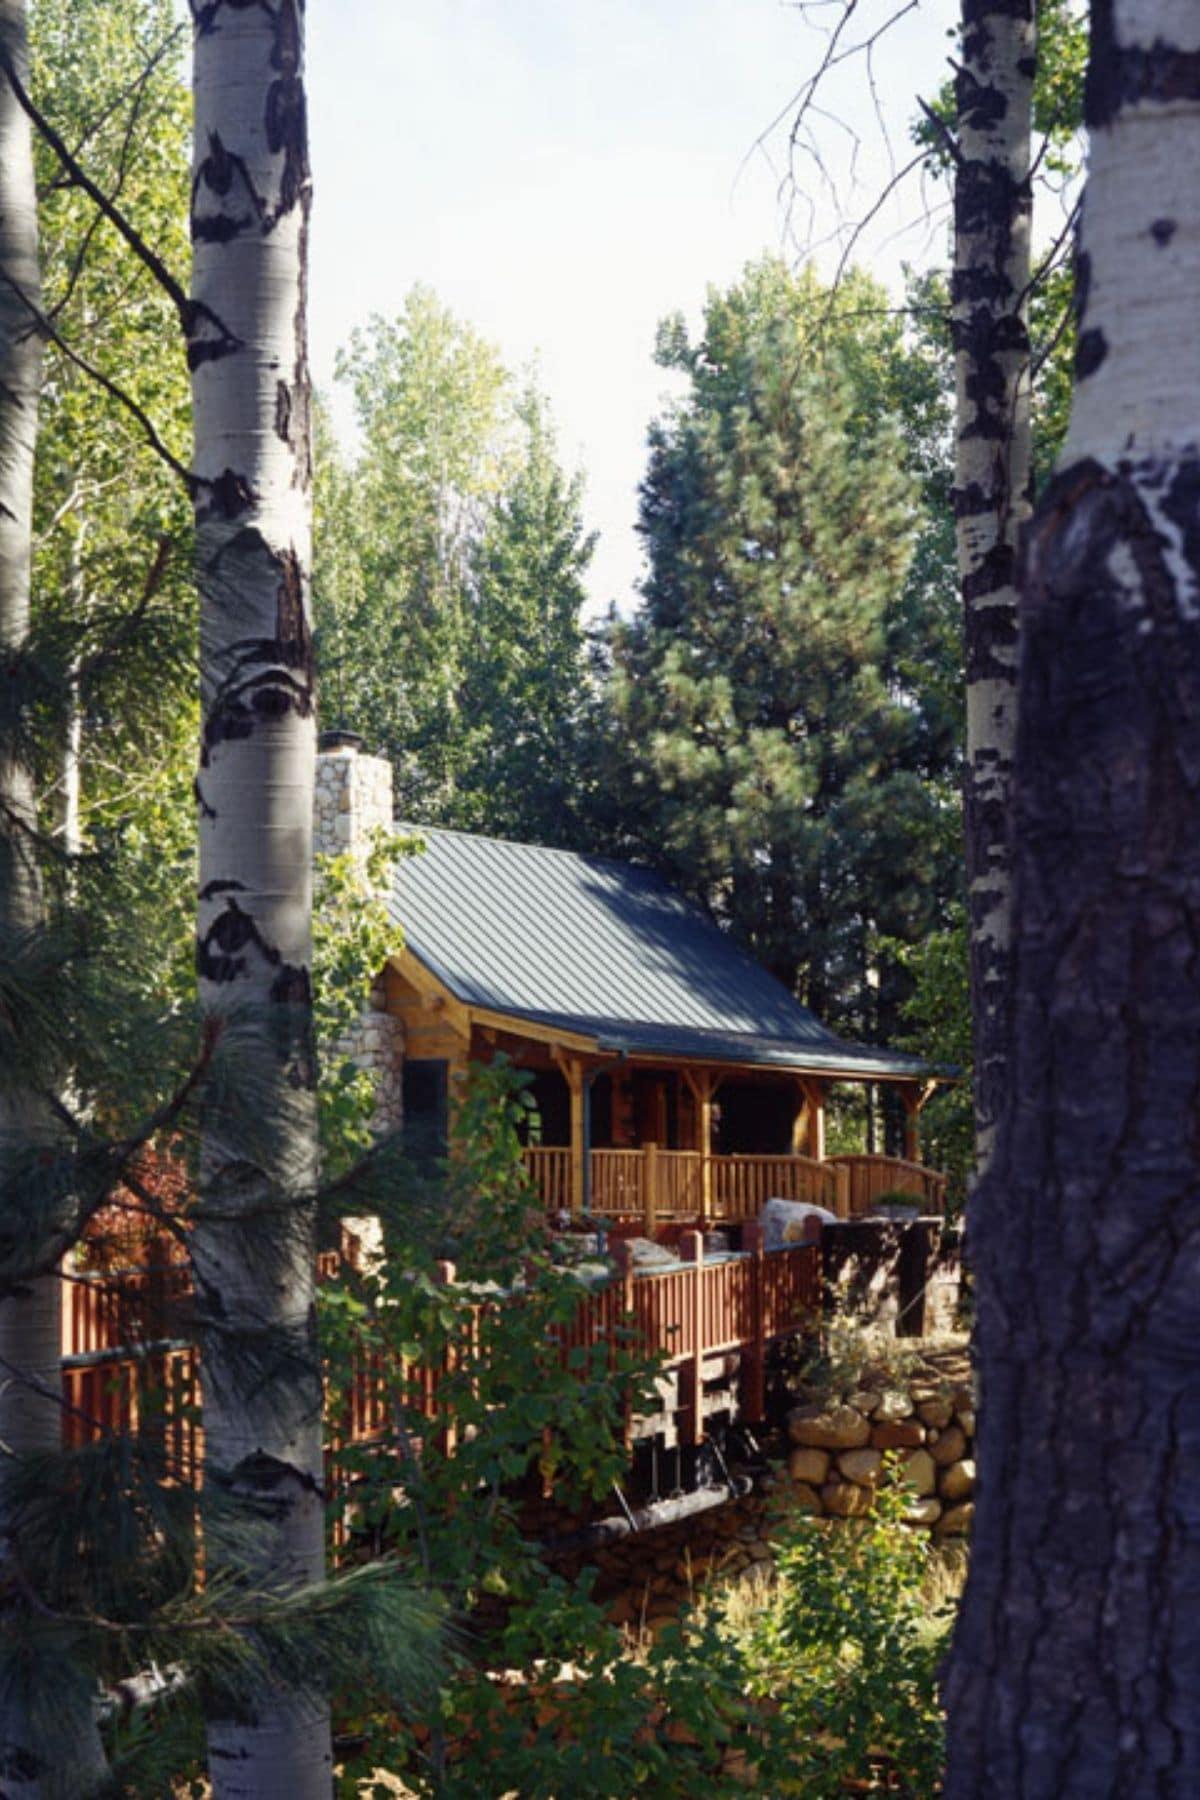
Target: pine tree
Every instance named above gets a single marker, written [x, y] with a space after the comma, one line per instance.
[780, 756]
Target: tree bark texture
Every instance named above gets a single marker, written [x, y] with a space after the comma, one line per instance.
[254, 1242]
[1075, 1673]
[42, 1757]
[993, 464]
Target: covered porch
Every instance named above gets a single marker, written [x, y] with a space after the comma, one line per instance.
[662, 1145]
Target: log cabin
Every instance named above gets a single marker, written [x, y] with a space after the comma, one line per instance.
[677, 1082]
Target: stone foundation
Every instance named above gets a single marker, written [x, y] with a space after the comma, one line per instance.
[920, 1422]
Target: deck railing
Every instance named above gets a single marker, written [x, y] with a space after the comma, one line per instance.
[662, 1187]
[682, 1315]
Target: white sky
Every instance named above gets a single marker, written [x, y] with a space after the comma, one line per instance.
[565, 172]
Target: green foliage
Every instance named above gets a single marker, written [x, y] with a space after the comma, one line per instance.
[781, 749]
[353, 936]
[937, 1026]
[448, 580]
[847, 1654]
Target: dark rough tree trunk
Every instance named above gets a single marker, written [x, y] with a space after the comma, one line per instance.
[1075, 1673]
[39, 1759]
[992, 212]
[254, 1242]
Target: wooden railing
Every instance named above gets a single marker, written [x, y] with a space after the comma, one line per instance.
[871, 1177]
[741, 1185]
[661, 1187]
[682, 1314]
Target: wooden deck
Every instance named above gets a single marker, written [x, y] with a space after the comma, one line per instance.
[123, 1373]
[669, 1186]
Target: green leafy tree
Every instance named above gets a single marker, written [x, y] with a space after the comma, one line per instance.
[450, 558]
[784, 754]
[524, 678]
[395, 536]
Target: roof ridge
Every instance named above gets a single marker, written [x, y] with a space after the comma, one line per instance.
[583, 856]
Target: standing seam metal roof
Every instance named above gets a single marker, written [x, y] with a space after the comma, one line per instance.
[604, 948]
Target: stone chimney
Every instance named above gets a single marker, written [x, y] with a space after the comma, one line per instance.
[353, 798]
[353, 795]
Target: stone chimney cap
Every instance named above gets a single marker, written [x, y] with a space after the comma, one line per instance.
[340, 740]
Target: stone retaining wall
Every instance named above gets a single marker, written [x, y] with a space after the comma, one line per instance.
[923, 1424]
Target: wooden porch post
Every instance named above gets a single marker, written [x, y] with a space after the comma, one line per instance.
[572, 1070]
[691, 1376]
[753, 1393]
[815, 1093]
[914, 1099]
[704, 1083]
[800, 1119]
[650, 1187]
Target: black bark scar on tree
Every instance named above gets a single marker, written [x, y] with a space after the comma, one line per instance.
[221, 952]
[1083, 284]
[213, 888]
[205, 810]
[283, 411]
[232, 495]
[1121, 75]
[980, 104]
[1162, 231]
[293, 634]
[1090, 353]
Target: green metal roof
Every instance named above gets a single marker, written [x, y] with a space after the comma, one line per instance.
[608, 950]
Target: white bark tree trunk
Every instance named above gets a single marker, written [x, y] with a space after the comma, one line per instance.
[1075, 1673]
[992, 214]
[254, 1243]
[65, 1763]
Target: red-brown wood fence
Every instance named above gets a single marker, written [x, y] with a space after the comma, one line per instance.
[125, 1369]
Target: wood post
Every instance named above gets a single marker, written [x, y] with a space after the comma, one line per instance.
[841, 1203]
[622, 1257]
[444, 1274]
[572, 1072]
[915, 1099]
[650, 1187]
[800, 1121]
[703, 1084]
[691, 1375]
[753, 1395]
[815, 1095]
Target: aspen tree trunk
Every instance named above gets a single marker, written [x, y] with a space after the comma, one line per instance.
[1075, 1673]
[254, 1244]
[51, 1752]
[993, 463]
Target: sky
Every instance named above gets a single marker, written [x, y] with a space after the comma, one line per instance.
[564, 173]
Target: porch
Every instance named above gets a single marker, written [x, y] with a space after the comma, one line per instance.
[661, 1187]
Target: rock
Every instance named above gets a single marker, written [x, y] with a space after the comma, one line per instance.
[897, 1434]
[966, 1418]
[923, 1512]
[956, 1520]
[937, 1412]
[809, 1465]
[893, 1404]
[864, 1401]
[862, 1466]
[845, 1499]
[828, 1428]
[962, 1399]
[958, 1481]
[919, 1471]
[950, 1447]
[806, 1499]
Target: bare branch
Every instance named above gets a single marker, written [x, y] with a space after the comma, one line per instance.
[191, 482]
